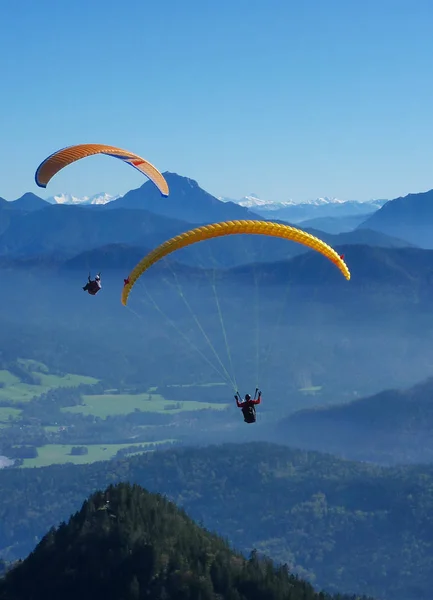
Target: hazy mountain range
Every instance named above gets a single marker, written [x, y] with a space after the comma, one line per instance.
[141, 219]
[318, 208]
[329, 214]
[406, 219]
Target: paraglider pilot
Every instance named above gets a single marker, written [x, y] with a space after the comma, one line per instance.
[93, 286]
[248, 406]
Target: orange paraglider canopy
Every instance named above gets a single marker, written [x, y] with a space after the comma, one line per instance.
[62, 158]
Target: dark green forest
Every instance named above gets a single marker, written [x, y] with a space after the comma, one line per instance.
[344, 526]
[128, 544]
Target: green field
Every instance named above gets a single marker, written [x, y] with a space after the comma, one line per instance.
[61, 454]
[110, 403]
[52, 428]
[189, 385]
[16, 391]
[311, 390]
[6, 412]
[103, 405]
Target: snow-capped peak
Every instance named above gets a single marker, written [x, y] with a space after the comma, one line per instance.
[252, 200]
[324, 200]
[101, 198]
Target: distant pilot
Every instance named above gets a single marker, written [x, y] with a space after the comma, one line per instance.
[248, 405]
[93, 286]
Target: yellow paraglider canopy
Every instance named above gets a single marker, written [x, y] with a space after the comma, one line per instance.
[214, 230]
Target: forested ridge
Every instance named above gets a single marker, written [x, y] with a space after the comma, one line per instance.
[127, 544]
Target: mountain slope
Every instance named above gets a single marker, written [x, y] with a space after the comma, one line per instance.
[187, 201]
[68, 230]
[372, 268]
[109, 257]
[333, 225]
[322, 207]
[361, 235]
[8, 216]
[392, 427]
[127, 543]
[396, 268]
[122, 257]
[409, 218]
[71, 229]
[28, 202]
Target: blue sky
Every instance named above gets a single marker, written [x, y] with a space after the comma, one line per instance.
[285, 99]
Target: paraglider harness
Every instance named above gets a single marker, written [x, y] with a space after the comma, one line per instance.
[92, 286]
[249, 410]
[249, 413]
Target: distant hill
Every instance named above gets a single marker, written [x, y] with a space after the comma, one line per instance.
[301, 269]
[71, 229]
[374, 267]
[360, 235]
[28, 202]
[389, 266]
[38, 227]
[35, 264]
[187, 201]
[142, 218]
[333, 225]
[234, 250]
[67, 230]
[8, 216]
[392, 427]
[295, 213]
[109, 257]
[346, 526]
[122, 257]
[409, 218]
[394, 268]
